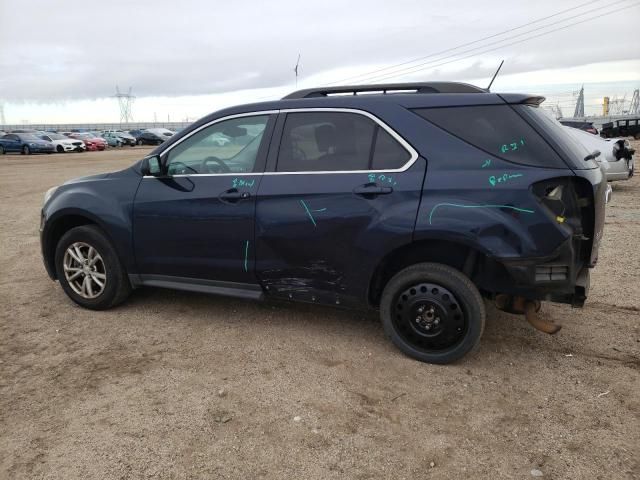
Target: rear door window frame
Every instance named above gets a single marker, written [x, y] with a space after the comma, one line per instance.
[279, 130]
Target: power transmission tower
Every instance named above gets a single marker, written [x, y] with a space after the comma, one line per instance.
[579, 111]
[634, 108]
[616, 106]
[3, 121]
[125, 100]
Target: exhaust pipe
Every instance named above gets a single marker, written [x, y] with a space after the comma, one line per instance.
[530, 308]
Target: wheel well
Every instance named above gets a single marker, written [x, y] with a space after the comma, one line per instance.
[57, 230]
[456, 255]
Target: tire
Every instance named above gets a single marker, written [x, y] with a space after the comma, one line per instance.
[26, 150]
[60, 149]
[108, 269]
[139, 142]
[2, 152]
[433, 313]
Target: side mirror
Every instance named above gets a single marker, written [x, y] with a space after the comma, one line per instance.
[152, 166]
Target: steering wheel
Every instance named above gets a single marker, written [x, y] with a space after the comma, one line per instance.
[223, 168]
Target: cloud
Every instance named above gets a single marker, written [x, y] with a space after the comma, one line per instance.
[198, 47]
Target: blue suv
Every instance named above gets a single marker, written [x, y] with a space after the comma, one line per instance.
[420, 200]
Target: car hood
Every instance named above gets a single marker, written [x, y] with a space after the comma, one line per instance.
[88, 178]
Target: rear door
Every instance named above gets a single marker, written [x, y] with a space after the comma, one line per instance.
[197, 222]
[12, 143]
[342, 188]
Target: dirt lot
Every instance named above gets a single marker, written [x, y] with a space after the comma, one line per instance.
[179, 385]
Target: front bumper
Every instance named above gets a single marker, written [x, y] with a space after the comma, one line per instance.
[44, 250]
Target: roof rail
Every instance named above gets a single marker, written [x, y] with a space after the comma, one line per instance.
[387, 88]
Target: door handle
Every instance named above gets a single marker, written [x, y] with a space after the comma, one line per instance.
[372, 189]
[233, 195]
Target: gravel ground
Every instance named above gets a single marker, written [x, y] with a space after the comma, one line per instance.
[180, 385]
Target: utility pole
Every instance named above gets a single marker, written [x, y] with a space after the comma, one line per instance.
[296, 69]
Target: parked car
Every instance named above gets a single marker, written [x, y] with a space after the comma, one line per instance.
[92, 142]
[98, 135]
[629, 127]
[327, 199]
[616, 155]
[585, 126]
[112, 139]
[145, 137]
[63, 143]
[161, 132]
[126, 138]
[25, 143]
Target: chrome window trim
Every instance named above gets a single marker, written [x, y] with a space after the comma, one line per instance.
[413, 154]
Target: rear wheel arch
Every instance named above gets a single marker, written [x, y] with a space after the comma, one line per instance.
[458, 255]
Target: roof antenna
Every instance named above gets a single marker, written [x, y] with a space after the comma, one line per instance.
[296, 69]
[494, 76]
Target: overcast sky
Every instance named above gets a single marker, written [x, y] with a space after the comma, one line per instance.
[61, 60]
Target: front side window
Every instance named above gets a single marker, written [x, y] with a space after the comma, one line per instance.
[335, 142]
[230, 146]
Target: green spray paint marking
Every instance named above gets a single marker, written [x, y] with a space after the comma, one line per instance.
[486, 163]
[503, 178]
[511, 146]
[374, 177]
[308, 212]
[246, 255]
[523, 210]
[241, 182]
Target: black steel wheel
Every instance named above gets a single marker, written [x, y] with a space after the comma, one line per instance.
[433, 313]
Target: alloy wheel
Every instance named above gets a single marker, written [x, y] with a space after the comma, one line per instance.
[84, 270]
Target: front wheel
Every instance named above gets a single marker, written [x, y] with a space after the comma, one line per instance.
[89, 270]
[433, 313]
[1, 150]
[26, 150]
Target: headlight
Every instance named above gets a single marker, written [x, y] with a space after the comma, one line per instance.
[48, 194]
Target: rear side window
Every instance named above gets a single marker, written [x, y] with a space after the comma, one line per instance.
[497, 130]
[388, 153]
[336, 141]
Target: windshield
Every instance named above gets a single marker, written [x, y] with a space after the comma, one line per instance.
[57, 136]
[28, 136]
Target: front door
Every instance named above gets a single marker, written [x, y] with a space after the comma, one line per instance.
[197, 222]
[344, 189]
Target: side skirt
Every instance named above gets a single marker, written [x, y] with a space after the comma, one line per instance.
[251, 291]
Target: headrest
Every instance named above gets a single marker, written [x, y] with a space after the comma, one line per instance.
[325, 137]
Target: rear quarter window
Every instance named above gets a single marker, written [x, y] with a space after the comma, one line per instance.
[497, 130]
